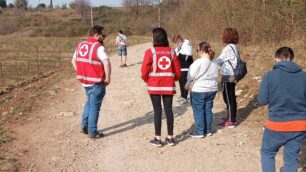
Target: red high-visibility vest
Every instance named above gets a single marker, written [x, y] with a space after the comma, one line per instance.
[90, 69]
[160, 69]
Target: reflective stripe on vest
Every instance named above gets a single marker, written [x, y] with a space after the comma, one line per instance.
[161, 74]
[161, 88]
[154, 59]
[185, 69]
[89, 78]
[89, 61]
[92, 49]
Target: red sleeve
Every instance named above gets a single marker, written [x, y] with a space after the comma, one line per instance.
[176, 67]
[146, 67]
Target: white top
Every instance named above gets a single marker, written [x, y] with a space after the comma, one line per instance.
[101, 54]
[121, 40]
[185, 48]
[209, 81]
[228, 54]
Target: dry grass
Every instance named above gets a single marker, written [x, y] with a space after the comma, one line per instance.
[23, 59]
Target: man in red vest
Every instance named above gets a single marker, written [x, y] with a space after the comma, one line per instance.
[93, 70]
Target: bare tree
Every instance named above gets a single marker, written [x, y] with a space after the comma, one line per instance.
[82, 8]
[21, 4]
[136, 5]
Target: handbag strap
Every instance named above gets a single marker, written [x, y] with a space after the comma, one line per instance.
[238, 58]
[195, 79]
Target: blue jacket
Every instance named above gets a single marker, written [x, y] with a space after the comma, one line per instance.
[284, 90]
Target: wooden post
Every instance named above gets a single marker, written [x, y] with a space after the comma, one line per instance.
[1, 72]
[159, 25]
[37, 62]
[28, 67]
[11, 71]
[91, 16]
[59, 60]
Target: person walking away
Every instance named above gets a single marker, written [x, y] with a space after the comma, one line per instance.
[228, 62]
[121, 42]
[284, 91]
[160, 70]
[93, 70]
[205, 73]
[184, 52]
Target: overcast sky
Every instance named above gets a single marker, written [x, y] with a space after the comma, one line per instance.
[113, 3]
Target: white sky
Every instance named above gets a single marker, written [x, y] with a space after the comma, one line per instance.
[113, 3]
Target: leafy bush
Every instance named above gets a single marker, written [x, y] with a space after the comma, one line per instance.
[41, 6]
[11, 5]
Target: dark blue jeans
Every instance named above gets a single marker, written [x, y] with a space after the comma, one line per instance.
[95, 95]
[273, 140]
[202, 104]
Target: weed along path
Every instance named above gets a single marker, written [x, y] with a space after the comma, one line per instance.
[49, 139]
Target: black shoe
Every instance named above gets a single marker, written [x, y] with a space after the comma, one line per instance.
[97, 135]
[156, 143]
[125, 65]
[170, 142]
[84, 130]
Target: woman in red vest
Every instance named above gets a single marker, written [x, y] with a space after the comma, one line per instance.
[160, 70]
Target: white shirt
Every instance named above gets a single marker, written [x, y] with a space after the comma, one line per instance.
[102, 55]
[207, 82]
[185, 48]
[121, 40]
[229, 53]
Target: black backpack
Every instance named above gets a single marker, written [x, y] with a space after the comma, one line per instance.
[241, 69]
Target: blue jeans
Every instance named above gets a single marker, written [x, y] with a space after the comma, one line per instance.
[202, 104]
[272, 141]
[92, 106]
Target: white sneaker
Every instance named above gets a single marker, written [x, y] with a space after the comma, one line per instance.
[195, 136]
[179, 99]
[208, 134]
[189, 101]
[183, 101]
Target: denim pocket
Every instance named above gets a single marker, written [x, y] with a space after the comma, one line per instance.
[98, 90]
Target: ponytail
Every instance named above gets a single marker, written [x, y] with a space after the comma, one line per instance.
[205, 46]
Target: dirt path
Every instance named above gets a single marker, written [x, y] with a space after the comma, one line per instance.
[48, 141]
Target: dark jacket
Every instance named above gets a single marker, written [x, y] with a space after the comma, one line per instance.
[284, 90]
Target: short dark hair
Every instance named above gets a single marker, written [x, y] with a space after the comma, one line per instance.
[160, 38]
[230, 35]
[284, 53]
[120, 31]
[96, 30]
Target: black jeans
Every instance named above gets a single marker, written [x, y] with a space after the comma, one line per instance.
[185, 62]
[182, 82]
[230, 100]
[156, 101]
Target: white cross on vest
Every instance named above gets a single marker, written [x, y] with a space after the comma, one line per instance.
[83, 50]
[164, 63]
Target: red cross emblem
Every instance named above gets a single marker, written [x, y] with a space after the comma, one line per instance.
[164, 63]
[83, 51]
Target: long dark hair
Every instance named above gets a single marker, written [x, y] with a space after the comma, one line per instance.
[160, 38]
[205, 46]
